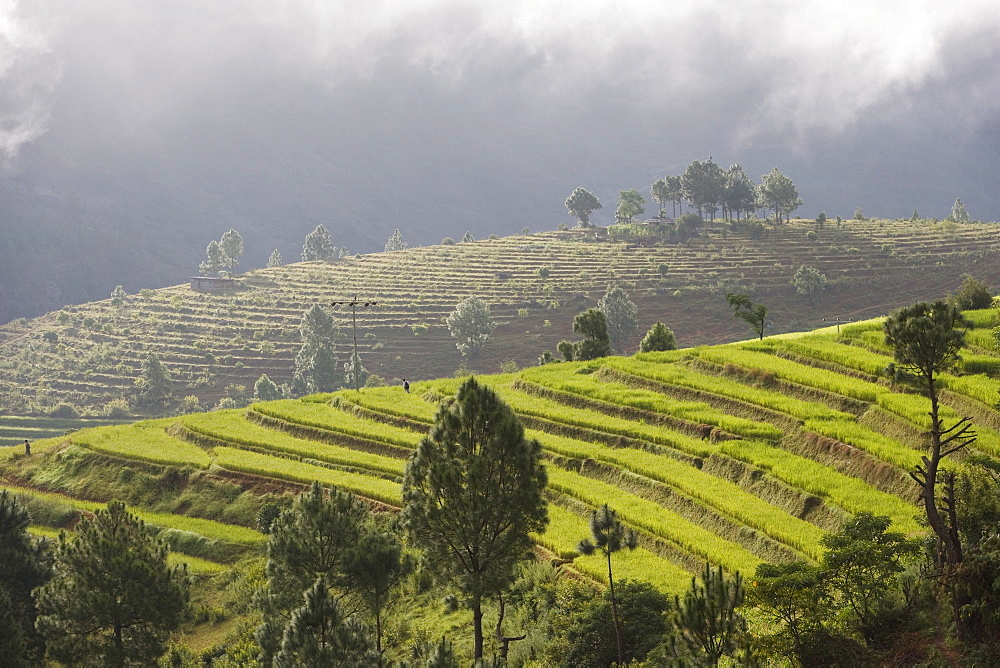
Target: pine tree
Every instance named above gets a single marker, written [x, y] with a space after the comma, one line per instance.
[25, 563]
[349, 371]
[231, 245]
[118, 296]
[471, 323]
[752, 314]
[396, 242]
[154, 381]
[375, 565]
[580, 204]
[275, 259]
[317, 634]
[307, 542]
[318, 245]
[265, 389]
[216, 259]
[659, 337]
[707, 620]
[472, 495]
[13, 646]
[596, 342]
[660, 193]
[113, 600]
[468, 238]
[958, 212]
[926, 339]
[316, 366]
[610, 536]
[621, 316]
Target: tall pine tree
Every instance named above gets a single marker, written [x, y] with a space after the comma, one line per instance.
[113, 600]
[24, 564]
[307, 542]
[472, 495]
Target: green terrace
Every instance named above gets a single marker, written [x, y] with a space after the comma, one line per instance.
[710, 453]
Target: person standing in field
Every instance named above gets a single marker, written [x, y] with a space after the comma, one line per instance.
[27, 447]
[406, 386]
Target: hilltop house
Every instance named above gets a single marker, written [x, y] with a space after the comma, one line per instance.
[212, 283]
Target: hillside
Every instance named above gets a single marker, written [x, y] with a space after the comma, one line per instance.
[735, 454]
[90, 354]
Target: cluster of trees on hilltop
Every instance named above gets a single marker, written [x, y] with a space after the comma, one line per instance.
[707, 188]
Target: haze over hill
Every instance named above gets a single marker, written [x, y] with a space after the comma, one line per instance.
[135, 133]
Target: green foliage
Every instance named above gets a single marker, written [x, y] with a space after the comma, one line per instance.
[630, 204]
[795, 598]
[375, 566]
[862, 562]
[707, 621]
[592, 324]
[318, 635]
[739, 194]
[620, 315]
[274, 260]
[660, 193]
[642, 611]
[779, 194]
[231, 245]
[973, 294]
[316, 367]
[154, 382]
[215, 262]
[471, 323]
[754, 315]
[467, 238]
[13, 646]
[355, 373]
[809, 281]
[580, 204]
[609, 536]
[113, 599]
[305, 551]
[926, 339]
[703, 185]
[319, 245]
[658, 338]
[473, 495]
[265, 389]
[25, 563]
[118, 296]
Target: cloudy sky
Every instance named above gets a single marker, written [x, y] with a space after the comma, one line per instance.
[439, 116]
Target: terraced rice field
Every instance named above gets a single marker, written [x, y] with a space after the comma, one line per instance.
[91, 354]
[736, 454]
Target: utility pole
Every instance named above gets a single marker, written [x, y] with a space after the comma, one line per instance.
[838, 321]
[354, 304]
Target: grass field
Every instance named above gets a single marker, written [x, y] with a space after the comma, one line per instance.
[694, 448]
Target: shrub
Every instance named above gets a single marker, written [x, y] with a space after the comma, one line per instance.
[973, 294]
[189, 404]
[117, 408]
[64, 410]
[51, 337]
[509, 366]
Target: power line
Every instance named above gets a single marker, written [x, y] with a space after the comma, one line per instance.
[354, 304]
